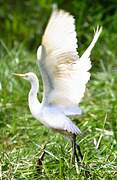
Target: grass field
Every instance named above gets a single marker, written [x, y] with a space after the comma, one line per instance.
[23, 137]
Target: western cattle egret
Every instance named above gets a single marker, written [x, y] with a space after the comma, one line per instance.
[64, 75]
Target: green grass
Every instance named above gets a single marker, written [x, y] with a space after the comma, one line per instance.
[22, 137]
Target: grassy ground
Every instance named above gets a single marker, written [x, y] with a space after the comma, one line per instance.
[22, 137]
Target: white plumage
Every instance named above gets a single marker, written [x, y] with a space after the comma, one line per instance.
[61, 67]
[64, 75]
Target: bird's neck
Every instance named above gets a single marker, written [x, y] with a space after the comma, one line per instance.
[34, 103]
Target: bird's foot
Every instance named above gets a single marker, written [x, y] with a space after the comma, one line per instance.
[86, 170]
[81, 167]
[77, 158]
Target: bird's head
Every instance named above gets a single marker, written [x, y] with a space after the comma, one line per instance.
[30, 76]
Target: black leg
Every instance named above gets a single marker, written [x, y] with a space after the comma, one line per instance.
[79, 150]
[76, 149]
[74, 152]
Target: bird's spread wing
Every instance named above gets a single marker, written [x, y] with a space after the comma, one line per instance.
[64, 74]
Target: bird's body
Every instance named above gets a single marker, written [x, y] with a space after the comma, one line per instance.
[64, 75]
[49, 115]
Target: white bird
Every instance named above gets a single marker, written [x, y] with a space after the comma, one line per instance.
[64, 75]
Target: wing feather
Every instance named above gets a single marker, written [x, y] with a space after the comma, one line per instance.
[63, 70]
[60, 33]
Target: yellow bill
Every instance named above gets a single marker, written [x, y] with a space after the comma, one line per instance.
[17, 74]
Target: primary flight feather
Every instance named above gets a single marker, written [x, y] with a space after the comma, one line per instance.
[64, 75]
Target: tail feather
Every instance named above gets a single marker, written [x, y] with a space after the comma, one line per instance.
[71, 128]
